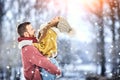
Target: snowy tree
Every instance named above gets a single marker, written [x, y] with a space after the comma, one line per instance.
[2, 13]
[105, 18]
[97, 20]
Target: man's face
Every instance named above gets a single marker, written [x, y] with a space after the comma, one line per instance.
[30, 31]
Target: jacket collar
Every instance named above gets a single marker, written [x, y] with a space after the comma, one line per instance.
[23, 41]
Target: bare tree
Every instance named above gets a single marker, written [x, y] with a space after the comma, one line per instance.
[113, 17]
[2, 13]
[97, 20]
[107, 17]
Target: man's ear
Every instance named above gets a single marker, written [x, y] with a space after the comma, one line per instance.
[25, 34]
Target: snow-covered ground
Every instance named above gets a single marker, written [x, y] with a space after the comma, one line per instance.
[73, 72]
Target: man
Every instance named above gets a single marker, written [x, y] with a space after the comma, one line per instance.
[31, 57]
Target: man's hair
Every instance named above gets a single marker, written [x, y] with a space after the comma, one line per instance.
[22, 28]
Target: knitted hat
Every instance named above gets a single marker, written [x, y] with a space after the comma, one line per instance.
[64, 26]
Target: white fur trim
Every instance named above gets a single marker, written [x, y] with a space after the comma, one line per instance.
[56, 30]
[43, 26]
[54, 55]
[24, 42]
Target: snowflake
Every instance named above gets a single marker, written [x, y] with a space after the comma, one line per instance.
[109, 60]
[46, 75]
[25, 49]
[8, 67]
[32, 71]
[30, 60]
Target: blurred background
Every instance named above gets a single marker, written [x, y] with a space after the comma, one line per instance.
[92, 53]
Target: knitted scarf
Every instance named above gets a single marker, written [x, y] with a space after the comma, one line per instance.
[34, 40]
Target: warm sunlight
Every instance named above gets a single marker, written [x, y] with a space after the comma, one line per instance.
[87, 1]
[76, 12]
[91, 3]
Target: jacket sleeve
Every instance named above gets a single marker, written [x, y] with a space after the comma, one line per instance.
[36, 58]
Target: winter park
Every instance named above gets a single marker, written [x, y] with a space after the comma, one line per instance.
[85, 40]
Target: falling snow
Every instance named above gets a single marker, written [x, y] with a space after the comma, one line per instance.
[79, 55]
